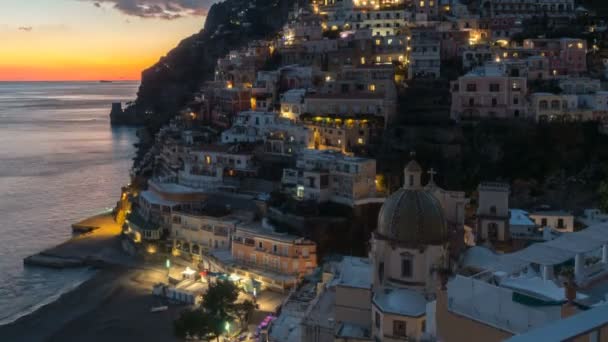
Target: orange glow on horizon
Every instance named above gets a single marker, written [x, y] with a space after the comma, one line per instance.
[77, 41]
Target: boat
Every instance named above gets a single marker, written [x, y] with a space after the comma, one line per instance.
[159, 308]
[105, 81]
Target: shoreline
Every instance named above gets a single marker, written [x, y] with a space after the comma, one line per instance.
[50, 300]
[102, 307]
[36, 326]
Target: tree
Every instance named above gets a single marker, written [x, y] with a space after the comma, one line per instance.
[243, 311]
[220, 299]
[197, 323]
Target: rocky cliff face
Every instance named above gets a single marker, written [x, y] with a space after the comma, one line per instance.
[171, 83]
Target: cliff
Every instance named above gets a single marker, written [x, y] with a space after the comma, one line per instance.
[171, 83]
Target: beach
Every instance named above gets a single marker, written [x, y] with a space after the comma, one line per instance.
[114, 304]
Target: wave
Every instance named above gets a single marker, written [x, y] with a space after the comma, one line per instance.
[29, 310]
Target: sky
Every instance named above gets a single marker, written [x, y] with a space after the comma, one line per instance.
[63, 40]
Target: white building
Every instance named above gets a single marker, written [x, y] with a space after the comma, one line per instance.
[331, 176]
[561, 221]
[198, 231]
[292, 104]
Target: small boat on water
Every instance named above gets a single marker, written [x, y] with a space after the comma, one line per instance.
[105, 81]
[159, 308]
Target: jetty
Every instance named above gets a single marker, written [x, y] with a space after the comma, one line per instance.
[98, 243]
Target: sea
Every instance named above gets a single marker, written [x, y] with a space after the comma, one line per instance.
[60, 162]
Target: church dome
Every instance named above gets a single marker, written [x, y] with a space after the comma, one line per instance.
[413, 216]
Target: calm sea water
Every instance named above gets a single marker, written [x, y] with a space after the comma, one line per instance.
[60, 161]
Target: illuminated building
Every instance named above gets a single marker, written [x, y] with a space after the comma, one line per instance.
[325, 176]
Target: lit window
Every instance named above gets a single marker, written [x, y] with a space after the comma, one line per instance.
[372, 87]
[378, 59]
[378, 41]
[421, 3]
[362, 60]
[579, 45]
[360, 141]
[300, 191]
[208, 160]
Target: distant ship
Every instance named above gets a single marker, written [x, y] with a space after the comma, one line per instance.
[105, 81]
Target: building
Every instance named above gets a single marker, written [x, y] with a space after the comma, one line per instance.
[324, 176]
[198, 231]
[292, 104]
[566, 56]
[151, 216]
[488, 92]
[276, 260]
[424, 54]
[527, 8]
[493, 212]
[212, 167]
[496, 296]
[388, 296]
[559, 220]
[351, 105]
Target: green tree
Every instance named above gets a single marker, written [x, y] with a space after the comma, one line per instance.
[220, 306]
[197, 323]
[243, 311]
[220, 299]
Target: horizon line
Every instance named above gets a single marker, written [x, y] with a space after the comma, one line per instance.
[89, 80]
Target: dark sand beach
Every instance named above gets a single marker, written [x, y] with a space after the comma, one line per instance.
[114, 305]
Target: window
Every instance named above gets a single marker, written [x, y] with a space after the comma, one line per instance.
[494, 87]
[494, 102]
[411, 180]
[275, 249]
[493, 210]
[493, 231]
[515, 100]
[471, 87]
[260, 245]
[377, 319]
[406, 268]
[471, 101]
[399, 328]
[560, 223]
[543, 222]
[423, 326]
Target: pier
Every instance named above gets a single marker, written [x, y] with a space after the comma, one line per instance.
[98, 244]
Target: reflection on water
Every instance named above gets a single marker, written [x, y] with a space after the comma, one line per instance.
[59, 162]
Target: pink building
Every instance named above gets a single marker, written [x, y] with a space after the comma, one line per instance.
[488, 92]
[567, 56]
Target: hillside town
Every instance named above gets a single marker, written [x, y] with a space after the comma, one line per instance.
[273, 178]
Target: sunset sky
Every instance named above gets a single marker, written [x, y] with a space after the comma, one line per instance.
[89, 39]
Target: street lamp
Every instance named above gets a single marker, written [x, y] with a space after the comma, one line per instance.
[168, 266]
